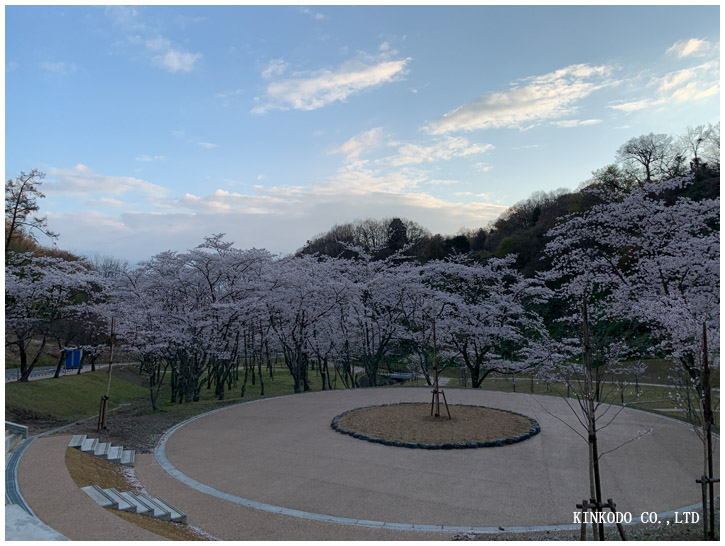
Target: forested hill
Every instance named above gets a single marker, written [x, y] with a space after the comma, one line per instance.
[522, 229]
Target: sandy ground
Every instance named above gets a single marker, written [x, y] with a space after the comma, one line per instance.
[50, 491]
[414, 423]
[283, 452]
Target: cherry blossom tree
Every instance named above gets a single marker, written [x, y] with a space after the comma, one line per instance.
[489, 323]
[40, 292]
[652, 256]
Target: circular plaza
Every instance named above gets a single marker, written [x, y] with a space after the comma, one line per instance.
[281, 455]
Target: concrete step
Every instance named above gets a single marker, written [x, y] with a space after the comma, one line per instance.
[157, 511]
[11, 440]
[128, 457]
[122, 503]
[101, 449]
[131, 499]
[98, 495]
[77, 440]
[176, 515]
[89, 444]
[114, 454]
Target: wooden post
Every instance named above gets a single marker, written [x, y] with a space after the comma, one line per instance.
[583, 530]
[436, 400]
[104, 399]
[620, 527]
[705, 527]
[709, 420]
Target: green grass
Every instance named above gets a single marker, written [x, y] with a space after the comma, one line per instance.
[280, 385]
[653, 399]
[67, 398]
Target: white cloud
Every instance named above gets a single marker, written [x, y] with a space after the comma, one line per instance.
[634, 105]
[104, 202]
[538, 98]
[175, 60]
[83, 181]
[576, 122]
[691, 47]
[125, 17]
[444, 149]
[163, 53]
[693, 83]
[208, 145]
[264, 217]
[483, 167]
[361, 143]
[186, 20]
[58, 67]
[693, 91]
[314, 14]
[275, 67]
[149, 158]
[384, 46]
[314, 90]
[675, 79]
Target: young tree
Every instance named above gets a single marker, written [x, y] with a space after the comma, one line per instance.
[655, 256]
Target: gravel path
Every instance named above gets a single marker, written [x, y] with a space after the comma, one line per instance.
[283, 452]
[59, 503]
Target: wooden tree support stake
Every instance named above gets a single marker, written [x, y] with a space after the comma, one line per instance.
[708, 519]
[436, 400]
[596, 507]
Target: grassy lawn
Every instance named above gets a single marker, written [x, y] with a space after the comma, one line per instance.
[74, 397]
[653, 399]
[281, 384]
[67, 398]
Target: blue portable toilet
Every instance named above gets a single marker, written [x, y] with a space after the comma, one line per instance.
[73, 358]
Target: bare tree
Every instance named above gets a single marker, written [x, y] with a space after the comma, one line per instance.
[646, 157]
[21, 201]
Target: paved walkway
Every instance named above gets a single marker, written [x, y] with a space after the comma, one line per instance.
[46, 372]
[59, 503]
[19, 525]
[282, 452]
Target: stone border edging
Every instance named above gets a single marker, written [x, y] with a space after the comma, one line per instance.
[163, 461]
[500, 442]
[12, 490]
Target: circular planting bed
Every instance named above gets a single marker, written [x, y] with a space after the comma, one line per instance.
[411, 425]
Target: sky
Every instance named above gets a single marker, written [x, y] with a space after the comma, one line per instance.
[159, 125]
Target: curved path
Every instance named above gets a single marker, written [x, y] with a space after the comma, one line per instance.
[280, 454]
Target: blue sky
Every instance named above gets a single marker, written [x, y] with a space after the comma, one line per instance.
[158, 125]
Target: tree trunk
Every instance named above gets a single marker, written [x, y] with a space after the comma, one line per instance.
[709, 420]
[25, 369]
[59, 366]
[595, 486]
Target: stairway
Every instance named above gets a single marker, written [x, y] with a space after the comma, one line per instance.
[137, 504]
[12, 439]
[114, 454]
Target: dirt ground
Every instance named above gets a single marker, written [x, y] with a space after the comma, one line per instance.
[414, 423]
